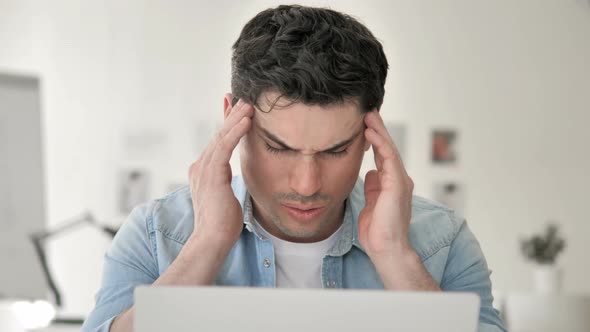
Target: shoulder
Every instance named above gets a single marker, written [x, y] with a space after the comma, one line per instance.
[433, 226]
[173, 216]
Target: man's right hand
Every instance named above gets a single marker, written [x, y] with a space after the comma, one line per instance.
[218, 214]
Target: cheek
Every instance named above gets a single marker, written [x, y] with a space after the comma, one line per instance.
[259, 165]
[340, 175]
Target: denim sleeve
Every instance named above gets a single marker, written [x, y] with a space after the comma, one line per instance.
[467, 271]
[130, 261]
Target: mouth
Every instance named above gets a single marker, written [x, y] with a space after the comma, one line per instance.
[303, 213]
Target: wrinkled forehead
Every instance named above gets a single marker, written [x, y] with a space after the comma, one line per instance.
[309, 127]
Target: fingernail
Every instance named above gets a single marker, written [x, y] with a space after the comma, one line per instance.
[240, 102]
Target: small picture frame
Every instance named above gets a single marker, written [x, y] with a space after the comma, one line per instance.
[444, 147]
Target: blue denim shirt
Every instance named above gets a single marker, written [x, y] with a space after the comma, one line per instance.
[154, 234]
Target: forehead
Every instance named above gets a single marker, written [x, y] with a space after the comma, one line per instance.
[308, 126]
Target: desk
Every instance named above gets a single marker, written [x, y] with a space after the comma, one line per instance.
[61, 328]
[547, 313]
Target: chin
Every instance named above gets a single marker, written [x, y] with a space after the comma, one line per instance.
[301, 231]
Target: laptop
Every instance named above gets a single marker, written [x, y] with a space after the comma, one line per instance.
[211, 309]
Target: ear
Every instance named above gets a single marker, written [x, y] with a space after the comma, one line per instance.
[227, 105]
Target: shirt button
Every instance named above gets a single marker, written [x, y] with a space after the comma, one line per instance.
[266, 263]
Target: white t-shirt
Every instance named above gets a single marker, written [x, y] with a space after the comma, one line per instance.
[299, 265]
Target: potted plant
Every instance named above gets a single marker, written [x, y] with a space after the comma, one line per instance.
[543, 250]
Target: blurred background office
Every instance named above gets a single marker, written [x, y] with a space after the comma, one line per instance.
[104, 104]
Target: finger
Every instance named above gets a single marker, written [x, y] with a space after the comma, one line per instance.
[378, 158]
[374, 120]
[226, 145]
[238, 112]
[385, 157]
[372, 188]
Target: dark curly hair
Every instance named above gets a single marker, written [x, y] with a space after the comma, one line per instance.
[315, 56]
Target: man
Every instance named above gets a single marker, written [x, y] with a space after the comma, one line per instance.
[307, 86]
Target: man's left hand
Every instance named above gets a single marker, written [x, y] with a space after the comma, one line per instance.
[384, 223]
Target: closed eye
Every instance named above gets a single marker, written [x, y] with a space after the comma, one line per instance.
[273, 150]
[339, 153]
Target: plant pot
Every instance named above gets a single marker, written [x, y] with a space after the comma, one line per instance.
[548, 278]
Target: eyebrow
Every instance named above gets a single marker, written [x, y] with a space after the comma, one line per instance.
[284, 145]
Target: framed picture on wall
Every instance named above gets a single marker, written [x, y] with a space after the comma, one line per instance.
[444, 146]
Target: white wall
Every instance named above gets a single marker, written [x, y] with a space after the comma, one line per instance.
[22, 191]
[512, 77]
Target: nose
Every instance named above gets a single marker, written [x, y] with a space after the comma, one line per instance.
[305, 178]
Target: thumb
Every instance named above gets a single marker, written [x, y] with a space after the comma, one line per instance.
[372, 187]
